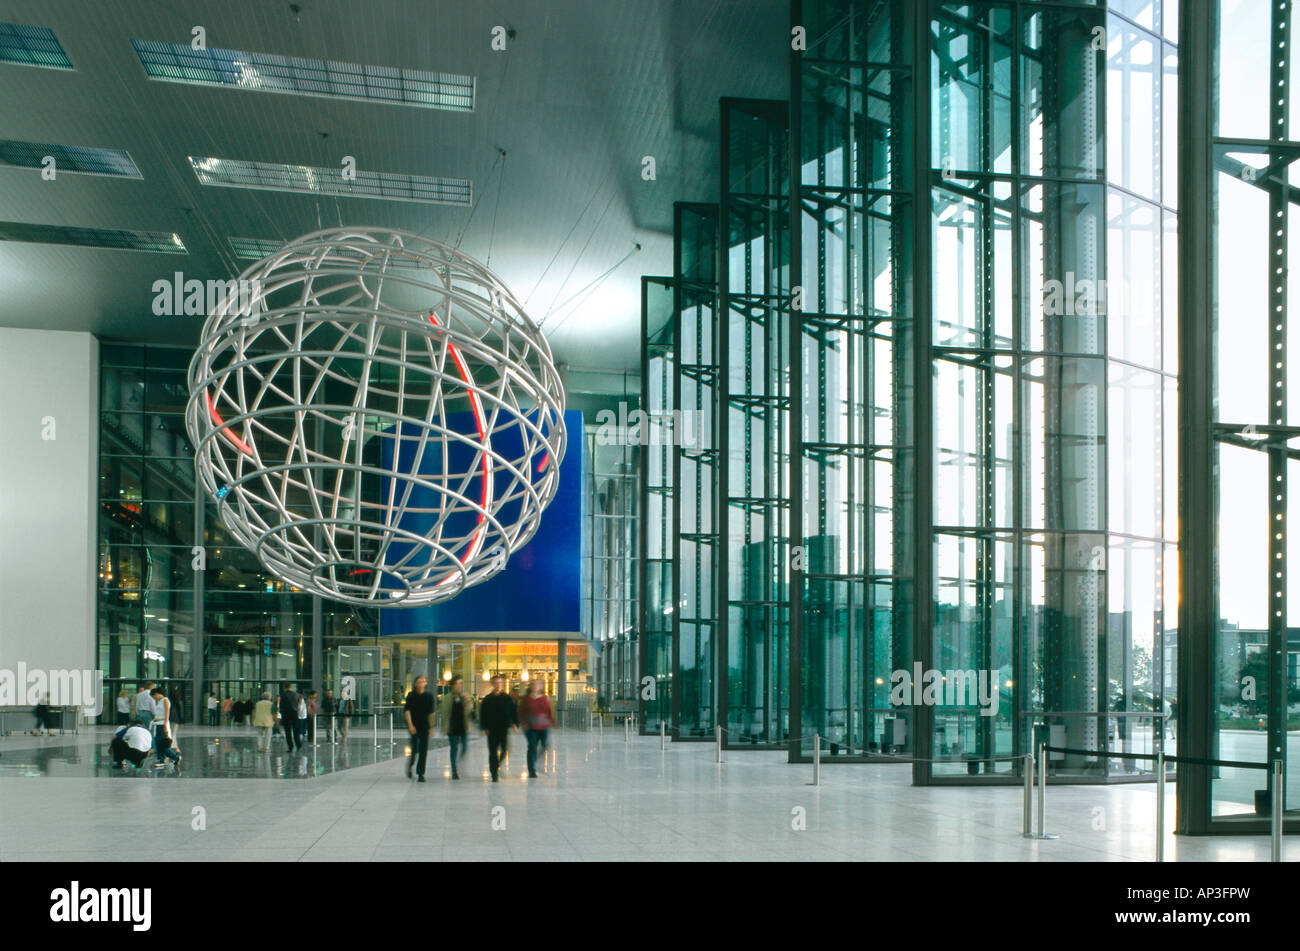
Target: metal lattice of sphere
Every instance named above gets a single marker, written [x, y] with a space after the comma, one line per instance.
[376, 417]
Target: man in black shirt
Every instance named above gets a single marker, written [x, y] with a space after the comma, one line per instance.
[289, 714]
[497, 714]
[419, 720]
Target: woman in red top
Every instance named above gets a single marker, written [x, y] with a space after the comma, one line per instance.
[536, 718]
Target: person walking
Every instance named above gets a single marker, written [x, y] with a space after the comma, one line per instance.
[144, 711]
[347, 710]
[213, 704]
[455, 713]
[123, 709]
[228, 710]
[537, 718]
[264, 722]
[42, 713]
[313, 709]
[163, 743]
[302, 721]
[497, 715]
[419, 721]
[329, 708]
[289, 701]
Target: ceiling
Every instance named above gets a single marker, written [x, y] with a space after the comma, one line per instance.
[583, 93]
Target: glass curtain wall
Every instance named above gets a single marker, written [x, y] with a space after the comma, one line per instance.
[1245, 706]
[611, 555]
[852, 620]
[696, 476]
[658, 503]
[1049, 386]
[255, 632]
[755, 288]
[146, 523]
[963, 298]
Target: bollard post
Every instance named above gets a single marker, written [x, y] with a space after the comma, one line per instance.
[374, 727]
[1027, 825]
[717, 740]
[662, 736]
[817, 759]
[1275, 814]
[627, 729]
[589, 719]
[390, 729]
[1160, 805]
[315, 731]
[1042, 793]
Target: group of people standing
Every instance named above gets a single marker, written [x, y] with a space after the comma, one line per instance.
[148, 728]
[296, 716]
[497, 716]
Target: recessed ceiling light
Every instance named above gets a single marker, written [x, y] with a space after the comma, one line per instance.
[165, 242]
[313, 180]
[304, 76]
[84, 160]
[32, 46]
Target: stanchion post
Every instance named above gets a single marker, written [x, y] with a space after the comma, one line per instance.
[374, 727]
[1275, 814]
[1042, 793]
[1160, 805]
[1027, 825]
[627, 729]
[817, 759]
[717, 742]
[663, 736]
[315, 731]
[390, 729]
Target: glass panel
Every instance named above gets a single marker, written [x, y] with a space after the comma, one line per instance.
[1241, 638]
[1242, 283]
[1060, 102]
[1244, 54]
[970, 112]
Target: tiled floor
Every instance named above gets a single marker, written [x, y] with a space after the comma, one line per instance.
[600, 798]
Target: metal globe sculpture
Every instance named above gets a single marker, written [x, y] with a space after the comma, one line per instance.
[376, 417]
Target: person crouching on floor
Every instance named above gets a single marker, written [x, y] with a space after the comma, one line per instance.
[132, 742]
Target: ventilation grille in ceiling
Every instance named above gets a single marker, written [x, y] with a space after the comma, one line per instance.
[68, 158]
[269, 72]
[32, 46]
[167, 242]
[254, 249]
[237, 173]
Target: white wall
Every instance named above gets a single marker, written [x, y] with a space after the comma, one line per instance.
[48, 498]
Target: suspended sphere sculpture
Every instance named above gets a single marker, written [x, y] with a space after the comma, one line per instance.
[376, 417]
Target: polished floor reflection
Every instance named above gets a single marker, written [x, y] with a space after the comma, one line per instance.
[206, 753]
[598, 797]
